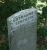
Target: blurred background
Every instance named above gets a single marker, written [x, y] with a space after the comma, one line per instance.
[9, 7]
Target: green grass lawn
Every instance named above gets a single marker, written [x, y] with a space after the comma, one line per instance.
[40, 48]
[37, 48]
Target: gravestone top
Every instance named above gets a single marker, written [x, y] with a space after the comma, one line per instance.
[22, 12]
[22, 17]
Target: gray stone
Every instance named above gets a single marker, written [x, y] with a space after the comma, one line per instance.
[22, 30]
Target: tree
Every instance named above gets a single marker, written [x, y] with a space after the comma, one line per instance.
[43, 1]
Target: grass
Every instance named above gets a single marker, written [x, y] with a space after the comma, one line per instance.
[40, 48]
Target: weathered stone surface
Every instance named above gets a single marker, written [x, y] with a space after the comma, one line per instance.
[22, 30]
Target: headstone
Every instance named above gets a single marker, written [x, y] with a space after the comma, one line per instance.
[22, 30]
